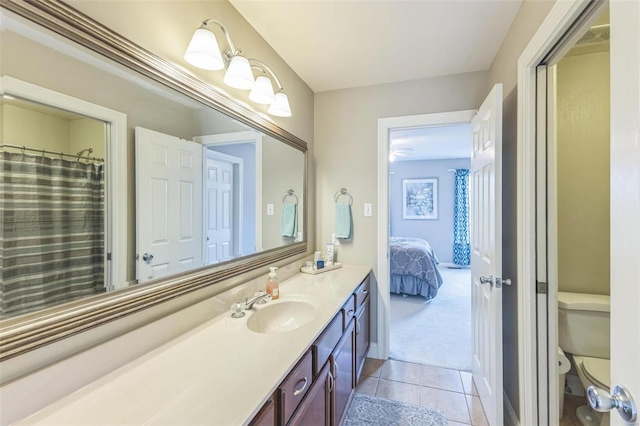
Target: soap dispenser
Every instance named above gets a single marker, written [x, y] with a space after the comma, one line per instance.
[272, 283]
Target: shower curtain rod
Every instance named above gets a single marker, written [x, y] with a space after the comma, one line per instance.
[45, 151]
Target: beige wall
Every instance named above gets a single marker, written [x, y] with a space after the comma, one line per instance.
[282, 169]
[505, 70]
[41, 130]
[35, 129]
[583, 173]
[346, 140]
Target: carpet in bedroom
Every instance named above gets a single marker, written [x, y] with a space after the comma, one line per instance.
[436, 333]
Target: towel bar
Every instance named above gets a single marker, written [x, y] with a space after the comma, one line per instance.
[290, 193]
[342, 192]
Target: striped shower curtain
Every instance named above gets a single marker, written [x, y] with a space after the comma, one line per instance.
[461, 237]
[52, 232]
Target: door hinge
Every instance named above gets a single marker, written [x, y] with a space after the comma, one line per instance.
[541, 287]
[108, 256]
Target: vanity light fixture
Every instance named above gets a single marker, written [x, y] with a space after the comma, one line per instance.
[263, 92]
[204, 52]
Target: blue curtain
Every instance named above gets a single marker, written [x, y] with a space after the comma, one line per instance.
[461, 242]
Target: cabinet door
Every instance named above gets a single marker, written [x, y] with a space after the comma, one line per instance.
[314, 410]
[342, 366]
[266, 416]
[363, 333]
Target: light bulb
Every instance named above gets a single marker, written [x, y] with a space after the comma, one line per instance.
[203, 51]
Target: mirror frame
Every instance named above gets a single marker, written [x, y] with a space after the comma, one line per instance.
[32, 331]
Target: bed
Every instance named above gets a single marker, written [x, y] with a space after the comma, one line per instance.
[414, 268]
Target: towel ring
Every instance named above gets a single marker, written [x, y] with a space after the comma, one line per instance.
[290, 193]
[342, 192]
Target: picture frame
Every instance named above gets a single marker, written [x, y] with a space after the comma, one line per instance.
[420, 199]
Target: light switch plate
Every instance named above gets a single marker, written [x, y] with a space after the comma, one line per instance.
[269, 209]
[368, 209]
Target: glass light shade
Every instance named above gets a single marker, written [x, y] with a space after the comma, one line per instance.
[203, 51]
[262, 92]
[281, 106]
[239, 74]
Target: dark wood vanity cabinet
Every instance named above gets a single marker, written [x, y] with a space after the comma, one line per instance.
[315, 410]
[342, 370]
[362, 328]
[320, 387]
[362, 337]
[294, 388]
[266, 416]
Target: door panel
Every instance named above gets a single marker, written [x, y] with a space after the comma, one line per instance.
[168, 205]
[486, 255]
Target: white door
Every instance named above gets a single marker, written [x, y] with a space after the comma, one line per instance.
[486, 253]
[219, 211]
[168, 205]
[625, 198]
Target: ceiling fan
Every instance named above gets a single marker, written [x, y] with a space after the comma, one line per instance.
[399, 152]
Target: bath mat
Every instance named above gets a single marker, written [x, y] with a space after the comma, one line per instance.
[371, 410]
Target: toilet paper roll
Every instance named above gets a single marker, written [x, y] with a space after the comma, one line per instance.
[563, 362]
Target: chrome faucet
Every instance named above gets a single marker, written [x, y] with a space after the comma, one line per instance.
[259, 299]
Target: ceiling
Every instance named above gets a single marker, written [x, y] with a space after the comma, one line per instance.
[349, 43]
[431, 143]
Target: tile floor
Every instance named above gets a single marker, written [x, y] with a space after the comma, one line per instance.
[439, 388]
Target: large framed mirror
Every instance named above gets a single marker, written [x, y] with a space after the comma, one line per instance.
[150, 183]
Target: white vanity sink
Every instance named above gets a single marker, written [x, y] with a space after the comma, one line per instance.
[281, 317]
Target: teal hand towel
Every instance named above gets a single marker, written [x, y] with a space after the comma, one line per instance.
[289, 220]
[344, 222]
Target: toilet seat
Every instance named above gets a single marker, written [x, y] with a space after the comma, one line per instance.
[596, 370]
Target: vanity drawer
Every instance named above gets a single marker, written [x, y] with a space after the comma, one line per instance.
[293, 389]
[349, 311]
[324, 345]
[362, 292]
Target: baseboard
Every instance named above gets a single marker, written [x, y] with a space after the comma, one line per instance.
[373, 351]
[510, 418]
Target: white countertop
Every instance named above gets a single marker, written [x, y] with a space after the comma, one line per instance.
[219, 373]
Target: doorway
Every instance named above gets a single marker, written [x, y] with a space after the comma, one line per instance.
[429, 245]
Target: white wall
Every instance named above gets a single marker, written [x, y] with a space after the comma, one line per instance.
[439, 232]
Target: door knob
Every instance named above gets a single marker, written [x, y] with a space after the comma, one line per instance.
[601, 400]
[500, 281]
[485, 280]
[147, 257]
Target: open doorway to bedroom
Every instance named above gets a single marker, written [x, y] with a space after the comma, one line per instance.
[429, 247]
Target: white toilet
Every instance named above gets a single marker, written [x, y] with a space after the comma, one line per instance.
[583, 331]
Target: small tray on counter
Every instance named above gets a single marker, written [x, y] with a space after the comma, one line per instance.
[319, 271]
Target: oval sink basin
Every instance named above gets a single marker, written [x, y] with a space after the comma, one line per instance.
[281, 317]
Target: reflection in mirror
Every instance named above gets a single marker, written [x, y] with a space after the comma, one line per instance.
[193, 187]
[53, 206]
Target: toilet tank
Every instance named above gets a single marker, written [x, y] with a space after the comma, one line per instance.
[583, 324]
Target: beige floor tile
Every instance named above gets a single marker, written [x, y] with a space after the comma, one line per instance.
[468, 384]
[441, 378]
[372, 367]
[476, 411]
[453, 404]
[398, 391]
[401, 372]
[367, 385]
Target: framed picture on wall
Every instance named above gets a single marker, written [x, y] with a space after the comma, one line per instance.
[420, 198]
